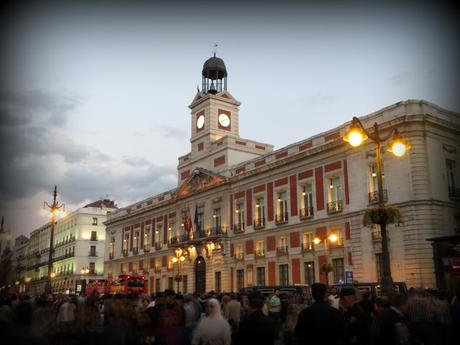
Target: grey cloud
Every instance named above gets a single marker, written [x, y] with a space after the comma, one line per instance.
[135, 161]
[172, 132]
[37, 154]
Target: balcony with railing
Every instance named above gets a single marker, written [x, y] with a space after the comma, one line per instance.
[282, 218]
[111, 255]
[124, 252]
[179, 239]
[282, 251]
[308, 248]
[306, 213]
[135, 250]
[65, 241]
[259, 223]
[238, 228]
[374, 197]
[158, 245]
[212, 232]
[259, 254]
[239, 256]
[92, 254]
[454, 193]
[335, 206]
[64, 256]
[157, 269]
[147, 248]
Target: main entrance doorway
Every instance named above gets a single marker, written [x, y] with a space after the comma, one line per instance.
[200, 275]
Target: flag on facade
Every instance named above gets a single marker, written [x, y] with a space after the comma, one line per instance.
[187, 221]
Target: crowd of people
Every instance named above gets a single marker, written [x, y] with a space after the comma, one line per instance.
[334, 317]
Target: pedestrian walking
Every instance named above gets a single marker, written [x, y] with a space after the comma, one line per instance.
[255, 327]
[212, 329]
[320, 323]
[274, 309]
[391, 326]
[356, 327]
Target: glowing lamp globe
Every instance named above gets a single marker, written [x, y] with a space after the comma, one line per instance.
[354, 135]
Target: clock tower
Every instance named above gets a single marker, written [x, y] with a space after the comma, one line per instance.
[215, 141]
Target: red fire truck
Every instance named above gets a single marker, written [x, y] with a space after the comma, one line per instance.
[124, 284]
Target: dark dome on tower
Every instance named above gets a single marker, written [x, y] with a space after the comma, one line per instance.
[214, 68]
[214, 75]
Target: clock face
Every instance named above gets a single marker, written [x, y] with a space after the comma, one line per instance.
[200, 122]
[224, 120]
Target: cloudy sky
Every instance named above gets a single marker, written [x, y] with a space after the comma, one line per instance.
[94, 96]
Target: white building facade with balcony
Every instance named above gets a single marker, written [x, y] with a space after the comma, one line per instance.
[246, 215]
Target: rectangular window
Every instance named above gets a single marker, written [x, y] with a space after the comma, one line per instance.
[239, 280]
[307, 241]
[158, 236]
[171, 283]
[112, 248]
[284, 274]
[157, 285]
[309, 271]
[306, 210]
[334, 195]
[374, 186]
[147, 238]
[260, 248]
[92, 268]
[454, 192]
[136, 241]
[281, 208]
[282, 248]
[239, 253]
[259, 221]
[93, 235]
[216, 219]
[199, 222]
[239, 221]
[126, 243]
[171, 230]
[94, 221]
[92, 251]
[338, 270]
[217, 281]
[261, 276]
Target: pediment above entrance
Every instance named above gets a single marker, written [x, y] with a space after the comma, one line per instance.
[199, 180]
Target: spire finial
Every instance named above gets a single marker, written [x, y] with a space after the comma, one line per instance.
[215, 49]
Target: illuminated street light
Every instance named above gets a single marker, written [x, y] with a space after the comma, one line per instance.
[355, 135]
[55, 212]
[331, 238]
[398, 145]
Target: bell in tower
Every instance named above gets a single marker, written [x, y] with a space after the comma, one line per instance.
[214, 76]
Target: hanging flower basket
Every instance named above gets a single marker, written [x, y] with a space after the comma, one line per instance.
[382, 215]
[326, 268]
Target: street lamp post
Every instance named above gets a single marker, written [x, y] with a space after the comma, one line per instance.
[331, 238]
[55, 211]
[355, 135]
[178, 259]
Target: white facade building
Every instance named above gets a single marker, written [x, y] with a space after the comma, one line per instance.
[78, 244]
[255, 211]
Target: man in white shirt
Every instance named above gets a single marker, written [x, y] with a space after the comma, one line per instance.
[334, 298]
